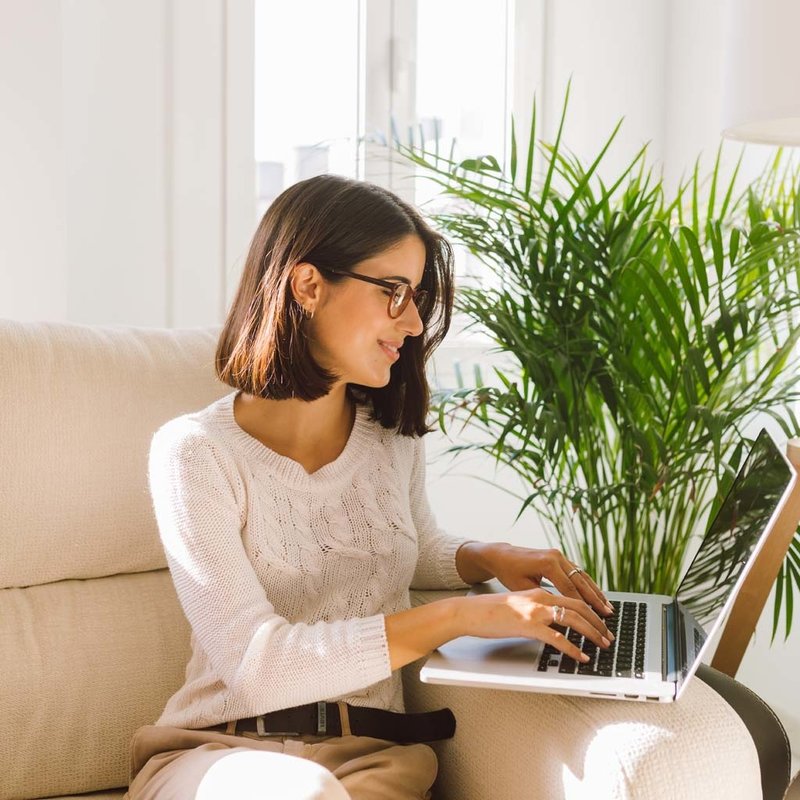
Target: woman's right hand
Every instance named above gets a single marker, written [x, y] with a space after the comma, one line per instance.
[530, 614]
[415, 632]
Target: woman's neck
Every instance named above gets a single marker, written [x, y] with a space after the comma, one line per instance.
[312, 433]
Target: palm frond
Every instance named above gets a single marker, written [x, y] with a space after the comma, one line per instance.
[645, 334]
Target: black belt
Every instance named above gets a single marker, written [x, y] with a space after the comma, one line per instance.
[339, 719]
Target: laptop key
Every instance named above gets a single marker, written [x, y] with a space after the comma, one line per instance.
[567, 665]
[546, 658]
[622, 673]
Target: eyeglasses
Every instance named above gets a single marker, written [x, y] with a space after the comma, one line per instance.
[402, 294]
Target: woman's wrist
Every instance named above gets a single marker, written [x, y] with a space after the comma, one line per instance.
[416, 632]
[475, 561]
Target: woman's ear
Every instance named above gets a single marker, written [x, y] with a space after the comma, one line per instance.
[306, 285]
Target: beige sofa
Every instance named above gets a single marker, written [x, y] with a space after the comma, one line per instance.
[92, 640]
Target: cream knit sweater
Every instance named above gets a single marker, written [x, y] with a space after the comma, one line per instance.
[285, 577]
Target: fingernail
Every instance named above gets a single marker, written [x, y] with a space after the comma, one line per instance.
[584, 657]
[611, 636]
[610, 607]
[606, 642]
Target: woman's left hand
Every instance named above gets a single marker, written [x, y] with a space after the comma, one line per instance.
[519, 568]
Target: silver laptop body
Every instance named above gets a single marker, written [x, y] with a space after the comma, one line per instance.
[660, 639]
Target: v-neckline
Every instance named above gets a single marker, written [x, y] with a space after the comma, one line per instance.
[285, 466]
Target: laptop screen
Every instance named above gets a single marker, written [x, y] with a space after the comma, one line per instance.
[731, 538]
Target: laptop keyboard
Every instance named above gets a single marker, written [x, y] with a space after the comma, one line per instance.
[625, 657]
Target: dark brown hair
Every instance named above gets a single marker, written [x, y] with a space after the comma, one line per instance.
[332, 222]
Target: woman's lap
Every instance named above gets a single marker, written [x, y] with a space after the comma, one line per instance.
[509, 744]
[531, 745]
[174, 764]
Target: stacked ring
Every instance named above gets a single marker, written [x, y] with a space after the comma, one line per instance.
[574, 571]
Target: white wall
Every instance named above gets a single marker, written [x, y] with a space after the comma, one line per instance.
[117, 160]
[126, 134]
[33, 280]
[657, 64]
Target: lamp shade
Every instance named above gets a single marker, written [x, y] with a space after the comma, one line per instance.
[761, 78]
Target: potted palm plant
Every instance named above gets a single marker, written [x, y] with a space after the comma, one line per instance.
[645, 335]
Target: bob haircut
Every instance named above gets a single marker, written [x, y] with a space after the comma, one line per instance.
[331, 222]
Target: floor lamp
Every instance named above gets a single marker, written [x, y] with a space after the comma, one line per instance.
[761, 72]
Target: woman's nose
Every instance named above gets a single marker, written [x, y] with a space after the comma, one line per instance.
[411, 321]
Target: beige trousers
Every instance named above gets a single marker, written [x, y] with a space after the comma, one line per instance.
[177, 764]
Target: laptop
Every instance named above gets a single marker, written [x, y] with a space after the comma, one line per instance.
[660, 639]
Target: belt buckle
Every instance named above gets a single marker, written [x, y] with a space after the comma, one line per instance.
[264, 733]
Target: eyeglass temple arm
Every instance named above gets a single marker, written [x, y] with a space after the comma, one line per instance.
[358, 276]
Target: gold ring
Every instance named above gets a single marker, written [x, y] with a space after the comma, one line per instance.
[573, 571]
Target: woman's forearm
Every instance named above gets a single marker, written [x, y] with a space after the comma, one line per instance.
[416, 632]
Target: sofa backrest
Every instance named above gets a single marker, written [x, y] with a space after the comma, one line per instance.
[92, 639]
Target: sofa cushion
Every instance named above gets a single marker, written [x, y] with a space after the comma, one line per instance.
[83, 664]
[80, 405]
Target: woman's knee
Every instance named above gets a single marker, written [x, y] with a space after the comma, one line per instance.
[263, 775]
[390, 771]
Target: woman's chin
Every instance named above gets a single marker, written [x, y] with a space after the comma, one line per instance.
[374, 381]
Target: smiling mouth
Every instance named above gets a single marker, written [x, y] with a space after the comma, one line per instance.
[390, 350]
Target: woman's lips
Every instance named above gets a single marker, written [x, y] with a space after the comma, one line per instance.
[392, 351]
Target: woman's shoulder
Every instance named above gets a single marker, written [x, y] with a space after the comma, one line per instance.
[390, 440]
[204, 427]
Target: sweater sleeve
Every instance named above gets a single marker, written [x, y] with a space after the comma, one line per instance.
[436, 563]
[267, 662]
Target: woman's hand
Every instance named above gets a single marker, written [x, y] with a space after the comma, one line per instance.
[519, 568]
[527, 611]
[531, 614]
[415, 632]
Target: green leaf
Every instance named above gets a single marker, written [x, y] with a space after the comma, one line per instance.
[554, 155]
[513, 152]
[531, 151]
[700, 269]
[669, 299]
[481, 164]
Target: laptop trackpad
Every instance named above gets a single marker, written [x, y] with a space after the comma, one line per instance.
[471, 649]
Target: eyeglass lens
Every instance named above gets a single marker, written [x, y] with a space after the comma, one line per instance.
[401, 297]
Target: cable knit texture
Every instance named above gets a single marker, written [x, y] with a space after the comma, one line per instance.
[284, 576]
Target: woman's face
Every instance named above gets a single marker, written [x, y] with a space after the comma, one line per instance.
[352, 333]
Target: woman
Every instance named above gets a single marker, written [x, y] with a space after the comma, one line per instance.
[294, 518]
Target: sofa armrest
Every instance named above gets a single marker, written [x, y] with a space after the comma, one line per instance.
[530, 745]
[766, 730]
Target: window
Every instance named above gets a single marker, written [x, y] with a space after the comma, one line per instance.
[335, 79]
[306, 92]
